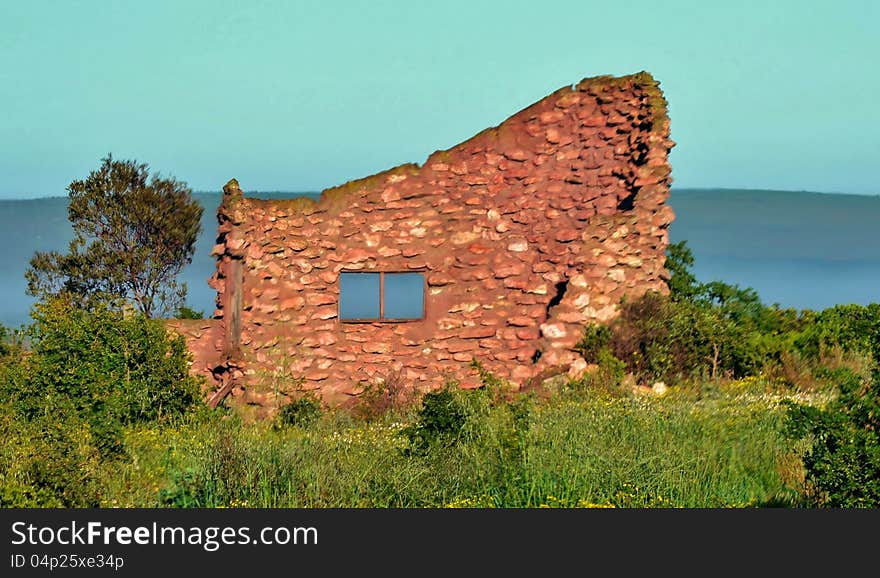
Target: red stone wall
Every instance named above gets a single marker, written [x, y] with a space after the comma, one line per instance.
[563, 203]
[204, 341]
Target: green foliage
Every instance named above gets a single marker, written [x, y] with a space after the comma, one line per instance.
[185, 312]
[611, 369]
[133, 234]
[187, 490]
[446, 417]
[594, 340]
[682, 283]
[49, 461]
[662, 339]
[442, 417]
[302, 412]
[102, 362]
[4, 341]
[66, 401]
[852, 327]
[716, 329]
[12, 342]
[606, 378]
[843, 461]
[467, 450]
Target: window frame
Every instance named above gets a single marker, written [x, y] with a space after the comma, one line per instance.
[382, 318]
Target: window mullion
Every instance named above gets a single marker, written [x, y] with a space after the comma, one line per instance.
[381, 295]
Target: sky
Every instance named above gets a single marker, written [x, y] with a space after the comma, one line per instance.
[301, 95]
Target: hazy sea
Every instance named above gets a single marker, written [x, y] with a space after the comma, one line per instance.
[798, 249]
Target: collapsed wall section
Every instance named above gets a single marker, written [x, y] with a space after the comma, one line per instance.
[524, 233]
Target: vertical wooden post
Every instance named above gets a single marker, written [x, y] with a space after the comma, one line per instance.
[381, 295]
[233, 310]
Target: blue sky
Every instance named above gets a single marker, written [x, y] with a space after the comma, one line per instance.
[303, 95]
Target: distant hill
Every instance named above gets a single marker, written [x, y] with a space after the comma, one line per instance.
[798, 249]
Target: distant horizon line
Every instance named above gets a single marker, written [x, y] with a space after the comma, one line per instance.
[672, 189]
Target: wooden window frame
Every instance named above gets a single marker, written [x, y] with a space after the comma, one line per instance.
[382, 318]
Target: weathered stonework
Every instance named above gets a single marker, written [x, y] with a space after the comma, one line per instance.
[524, 233]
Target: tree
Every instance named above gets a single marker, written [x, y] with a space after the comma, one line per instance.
[133, 234]
[683, 285]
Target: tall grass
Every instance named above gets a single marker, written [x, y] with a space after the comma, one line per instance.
[574, 450]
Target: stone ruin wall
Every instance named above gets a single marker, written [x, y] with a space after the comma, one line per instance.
[525, 232]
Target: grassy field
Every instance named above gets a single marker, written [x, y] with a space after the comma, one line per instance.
[715, 446]
[101, 410]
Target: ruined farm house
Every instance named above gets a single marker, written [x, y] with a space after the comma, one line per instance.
[498, 250]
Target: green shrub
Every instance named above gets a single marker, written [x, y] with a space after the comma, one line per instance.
[720, 331]
[447, 416]
[187, 312]
[107, 434]
[66, 401]
[442, 416]
[103, 362]
[595, 339]
[606, 378]
[842, 463]
[12, 343]
[4, 341]
[611, 369]
[851, 327]
[50, 461]
[302, 412]
[662, 339]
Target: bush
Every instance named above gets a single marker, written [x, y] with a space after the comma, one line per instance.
[50, 461]
[87, 374]
[606, 377]
[851, 327]
[66, 400]
[103, 363]
[301, 412]
[700, 330]
[595, 339]
[442, 416]
[4, 341]
[186, 312]
[842, 463]
[446, 416]
[666, 340]
[12, 343]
